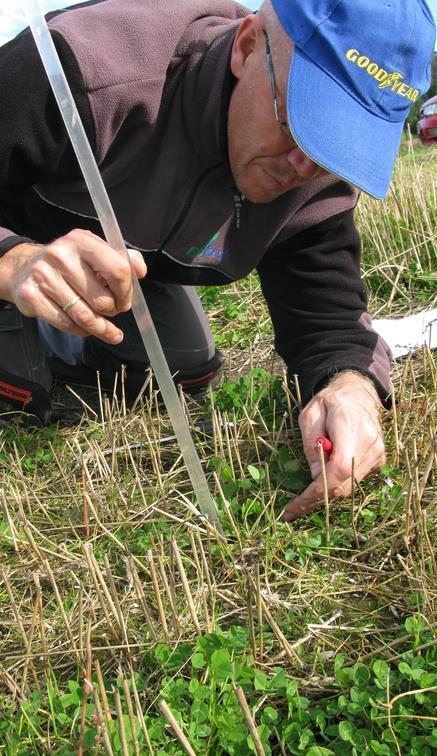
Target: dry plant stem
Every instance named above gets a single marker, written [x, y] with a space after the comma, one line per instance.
[186, 587]
[100, 581]
[102, 723]
[429, 545]
[121, 727]
[298, 394]
[157, 592]
[142, 391]
[390, 645]
[153, 456]
[283, 752]
[418, 649]
[30, 539]
[395, 426]
[116, 602]
[86, 521]
[259, 607]
[407, 693]
[102, 689]
[13, 531]
[130, 712]
[325, 492]
[205, 565]
[16, 613]
[200, 581]
[87, 548]
[172, 578]
[29, 661]
[228, 443]
[250, 622]
[79, 399]
[180, 521]
[61, 606]
[142, 599]
[42, 630]
[428, 467]
[293, 658]
[80, 635]
[9, 682]
[87, 689]
[248, 718]
[140, 714]
[60, 467]
[228, 511]
[176, 729]
[389, 717]
[111, 535]
[170, 595]
[312, 628]
[287, 393]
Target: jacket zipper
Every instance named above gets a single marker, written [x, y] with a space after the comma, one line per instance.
[186, 207]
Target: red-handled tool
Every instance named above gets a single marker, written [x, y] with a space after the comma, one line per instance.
[326, 445]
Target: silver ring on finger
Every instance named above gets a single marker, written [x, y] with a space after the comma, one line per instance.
[70, 304]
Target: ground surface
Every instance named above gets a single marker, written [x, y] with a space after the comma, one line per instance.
[119, 606]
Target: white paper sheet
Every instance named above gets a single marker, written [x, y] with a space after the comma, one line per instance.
[404, 335]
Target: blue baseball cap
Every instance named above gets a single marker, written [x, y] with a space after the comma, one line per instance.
[357, 68]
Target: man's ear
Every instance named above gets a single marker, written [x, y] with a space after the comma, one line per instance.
[245, 41]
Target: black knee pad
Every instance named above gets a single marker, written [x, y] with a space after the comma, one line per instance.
[25, 379]
[197, 380]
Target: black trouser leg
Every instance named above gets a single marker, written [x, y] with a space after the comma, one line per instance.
[183, 331]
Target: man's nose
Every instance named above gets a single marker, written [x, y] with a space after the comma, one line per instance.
[303, 165]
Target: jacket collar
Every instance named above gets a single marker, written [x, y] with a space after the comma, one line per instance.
[208, 87]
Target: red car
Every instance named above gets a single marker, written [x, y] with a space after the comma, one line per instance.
[427, 123]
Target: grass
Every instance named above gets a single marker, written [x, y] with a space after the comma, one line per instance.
[128, 626]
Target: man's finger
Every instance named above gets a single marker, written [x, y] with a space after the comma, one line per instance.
[138, 264]
[306, 502]
[92, 323]
[339, 483]
[312, 422]
[78, 256]
[79, 319]
[338, 479]
[61, 287]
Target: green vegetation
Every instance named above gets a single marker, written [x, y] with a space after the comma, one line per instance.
[371, 708]
[127, 624]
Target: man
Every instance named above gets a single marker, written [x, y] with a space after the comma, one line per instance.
[227, 141]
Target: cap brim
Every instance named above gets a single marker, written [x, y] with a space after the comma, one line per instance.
[337, 132]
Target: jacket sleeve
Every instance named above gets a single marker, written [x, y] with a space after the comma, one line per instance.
[33, 140]
[318, 306]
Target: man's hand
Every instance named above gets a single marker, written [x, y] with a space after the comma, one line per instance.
[78, 269]
[346, 411]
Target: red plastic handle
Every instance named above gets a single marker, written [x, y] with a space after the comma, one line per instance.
[325, 443]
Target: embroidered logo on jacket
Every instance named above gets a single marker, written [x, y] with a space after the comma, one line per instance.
[215, 250]
[208, 250]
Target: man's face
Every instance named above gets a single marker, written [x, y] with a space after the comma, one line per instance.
[264, 159]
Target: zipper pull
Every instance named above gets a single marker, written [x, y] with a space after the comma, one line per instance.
[238, 203]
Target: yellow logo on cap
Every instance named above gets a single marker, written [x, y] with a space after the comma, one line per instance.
[384, 79]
